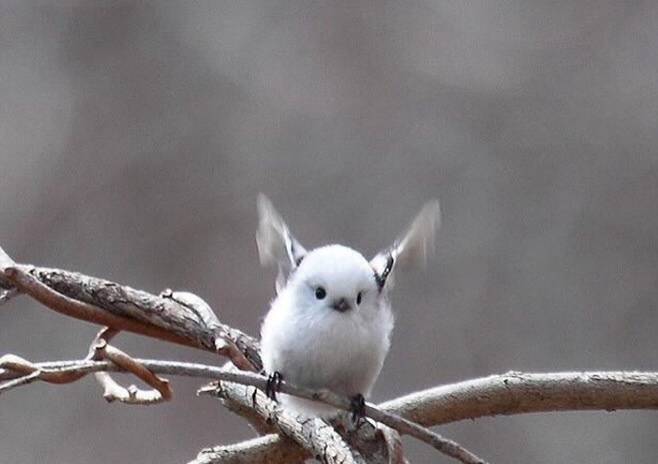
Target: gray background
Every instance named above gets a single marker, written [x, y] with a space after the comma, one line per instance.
[135, 136]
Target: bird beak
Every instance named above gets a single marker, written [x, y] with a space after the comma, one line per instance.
[341, 305]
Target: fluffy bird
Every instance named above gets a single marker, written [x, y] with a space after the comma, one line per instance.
[330, 324]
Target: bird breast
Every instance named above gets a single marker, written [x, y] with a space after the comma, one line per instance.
[326, 349]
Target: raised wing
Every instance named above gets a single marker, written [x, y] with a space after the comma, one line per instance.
[411, 249]
[276, 245]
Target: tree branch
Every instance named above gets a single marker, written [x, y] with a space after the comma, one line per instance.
[263, 450]
[520, 393]
[181, 318]
[112, 390]
[314, 435]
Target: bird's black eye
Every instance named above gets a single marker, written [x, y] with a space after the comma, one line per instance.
[358, 298]
[320, 293]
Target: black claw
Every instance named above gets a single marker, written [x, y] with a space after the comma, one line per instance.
[253, 398]
[273, 385]
[358, 408]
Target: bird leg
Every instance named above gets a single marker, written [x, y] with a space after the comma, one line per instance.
[358, 408]
[273, 385]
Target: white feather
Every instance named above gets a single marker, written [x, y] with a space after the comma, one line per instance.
[276, 245]
[314, 339]
[313, 345]
[413, 248]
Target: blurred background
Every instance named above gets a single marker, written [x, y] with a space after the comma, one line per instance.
[135, 136]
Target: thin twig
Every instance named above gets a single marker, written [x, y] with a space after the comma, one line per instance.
[161, 389]
[20, 381]
[112, 390]
[15, 366]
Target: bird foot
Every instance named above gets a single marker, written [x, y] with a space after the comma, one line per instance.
[358, 408]
[273, 385]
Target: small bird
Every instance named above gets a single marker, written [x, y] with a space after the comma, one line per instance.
[329, 325]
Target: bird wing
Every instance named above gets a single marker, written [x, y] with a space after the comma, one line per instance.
[276, 245]
[412, 248]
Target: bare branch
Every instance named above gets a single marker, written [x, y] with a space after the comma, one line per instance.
[112, 390]
[20, 381]
[314, 435]
[25, 282]
[13, 367]
[519, 393]
[263, 450]
[237, 399]
[178, 317]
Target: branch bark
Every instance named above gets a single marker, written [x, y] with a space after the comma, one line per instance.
[521, 393]
[263, 450]
[188, 320]
[314, 435]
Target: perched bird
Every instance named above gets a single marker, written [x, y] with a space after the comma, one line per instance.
[329, 326]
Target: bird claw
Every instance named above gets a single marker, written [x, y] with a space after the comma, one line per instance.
[273, 385]
[358, 408]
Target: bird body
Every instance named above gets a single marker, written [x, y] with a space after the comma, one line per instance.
[314, 345]
[330, 324]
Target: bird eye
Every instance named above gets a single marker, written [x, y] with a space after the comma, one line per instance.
[358, 298]
[320, 293]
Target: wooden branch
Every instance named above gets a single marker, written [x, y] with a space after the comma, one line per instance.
[263, 450]
[112, 390]
[314, 435]
[520, 393]
[181, 318]
[237, 399]
[369, 441]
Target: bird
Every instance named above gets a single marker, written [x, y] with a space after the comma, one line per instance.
[329, 325]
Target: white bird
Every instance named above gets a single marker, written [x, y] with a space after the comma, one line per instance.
[329, 326]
